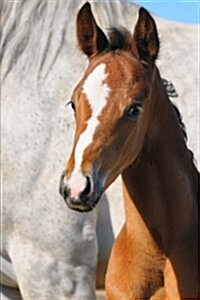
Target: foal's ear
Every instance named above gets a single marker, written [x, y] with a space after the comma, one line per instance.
[91, 38]
[146, 37]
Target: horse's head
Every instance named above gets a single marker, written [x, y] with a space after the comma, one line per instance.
[109, 106]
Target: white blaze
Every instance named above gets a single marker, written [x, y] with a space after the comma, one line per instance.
[97, 93]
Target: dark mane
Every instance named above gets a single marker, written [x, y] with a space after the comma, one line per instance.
[182, 125]
[183, 128]
[120, 39]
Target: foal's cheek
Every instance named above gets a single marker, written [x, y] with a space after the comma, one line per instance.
[128, 151]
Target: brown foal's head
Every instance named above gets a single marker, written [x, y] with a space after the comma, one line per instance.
[109, 106]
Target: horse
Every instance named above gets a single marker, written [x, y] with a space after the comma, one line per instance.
[43, 250]
[126, 124]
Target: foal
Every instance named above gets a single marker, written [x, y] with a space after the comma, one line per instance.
[125, 124]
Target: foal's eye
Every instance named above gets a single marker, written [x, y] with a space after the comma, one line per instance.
[72, 105]
[134, 111]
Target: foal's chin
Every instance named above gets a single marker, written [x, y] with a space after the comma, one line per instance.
[85, 205]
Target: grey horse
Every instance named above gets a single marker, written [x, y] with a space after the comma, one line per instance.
[49, 251]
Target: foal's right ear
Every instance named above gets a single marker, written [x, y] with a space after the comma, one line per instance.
[91, 38]
[146, 37]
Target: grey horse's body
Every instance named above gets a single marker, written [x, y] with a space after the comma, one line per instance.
[49, 251]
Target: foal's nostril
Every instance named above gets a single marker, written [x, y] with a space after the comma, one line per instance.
[88, 188]
[65, 193]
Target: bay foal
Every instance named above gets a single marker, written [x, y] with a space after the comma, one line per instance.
[125, 124]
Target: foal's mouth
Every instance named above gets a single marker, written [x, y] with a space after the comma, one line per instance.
[85, 205]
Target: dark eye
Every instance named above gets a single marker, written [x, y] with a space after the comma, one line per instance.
[73, 106]
[71, 102]
[134, 111]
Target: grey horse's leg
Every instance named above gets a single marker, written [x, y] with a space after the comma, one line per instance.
[41, 275]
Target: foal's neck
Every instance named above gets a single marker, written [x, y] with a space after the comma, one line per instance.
[161, 186]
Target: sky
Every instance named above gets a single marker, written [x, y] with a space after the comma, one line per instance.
[186, 11]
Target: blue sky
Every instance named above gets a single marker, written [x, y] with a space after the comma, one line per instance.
[181, 11]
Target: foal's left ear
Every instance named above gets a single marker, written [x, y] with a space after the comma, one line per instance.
[146, 37]
[91, 38]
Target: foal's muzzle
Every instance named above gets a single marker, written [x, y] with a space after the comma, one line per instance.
[85, 200]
